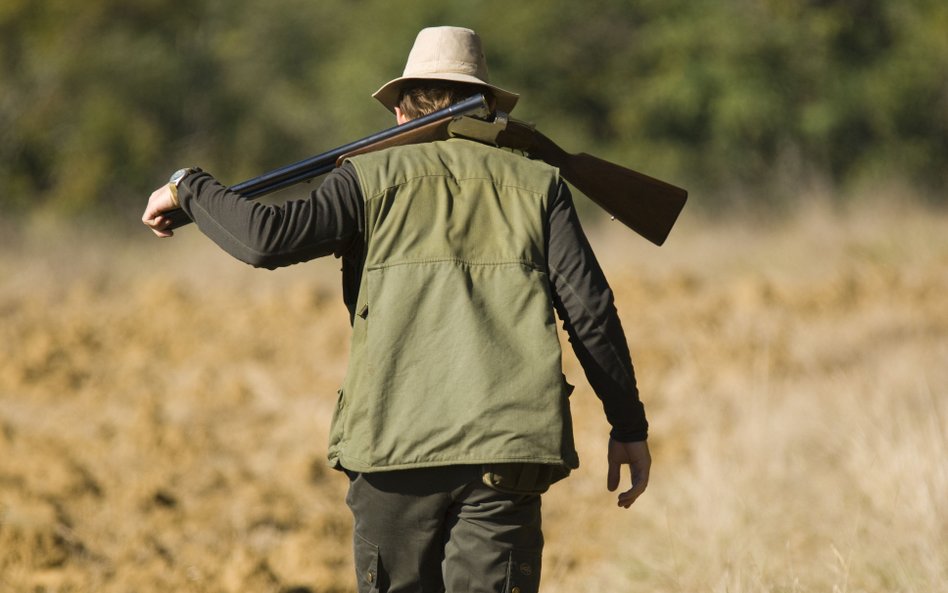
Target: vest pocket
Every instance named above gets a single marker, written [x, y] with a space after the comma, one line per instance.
[459, 363]
[340, 404]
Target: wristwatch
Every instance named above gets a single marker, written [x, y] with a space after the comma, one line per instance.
[177, 177]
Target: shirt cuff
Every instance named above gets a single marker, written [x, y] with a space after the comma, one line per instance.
[628, 436]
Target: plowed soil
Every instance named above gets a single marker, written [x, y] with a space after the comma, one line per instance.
[164, 413]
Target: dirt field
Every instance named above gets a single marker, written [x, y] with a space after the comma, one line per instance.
[163, 415]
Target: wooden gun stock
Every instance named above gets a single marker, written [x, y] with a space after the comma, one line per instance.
[646, 205]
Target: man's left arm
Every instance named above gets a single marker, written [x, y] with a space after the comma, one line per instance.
[328, 221]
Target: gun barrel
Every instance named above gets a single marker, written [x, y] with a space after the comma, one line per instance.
[320, 164]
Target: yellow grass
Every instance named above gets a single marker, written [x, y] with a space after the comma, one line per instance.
[163, 415]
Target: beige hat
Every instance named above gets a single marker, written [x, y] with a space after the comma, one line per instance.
[446, 53]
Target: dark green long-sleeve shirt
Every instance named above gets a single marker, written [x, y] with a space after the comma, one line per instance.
[331, 221]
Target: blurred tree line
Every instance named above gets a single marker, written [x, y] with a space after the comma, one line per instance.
[100, 100]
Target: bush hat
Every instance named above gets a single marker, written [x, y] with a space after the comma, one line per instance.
[446, 53]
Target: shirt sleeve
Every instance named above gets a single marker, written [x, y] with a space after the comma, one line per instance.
[329, 221]
[584, 302]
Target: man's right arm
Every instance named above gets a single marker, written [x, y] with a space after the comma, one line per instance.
[584, 302]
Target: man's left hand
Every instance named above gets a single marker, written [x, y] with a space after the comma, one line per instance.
[160, 201]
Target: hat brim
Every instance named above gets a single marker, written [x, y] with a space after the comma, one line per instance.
[387, 95]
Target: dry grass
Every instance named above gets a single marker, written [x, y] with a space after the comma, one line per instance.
[163, 415]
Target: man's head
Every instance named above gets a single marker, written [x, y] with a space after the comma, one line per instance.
[445, 65]
[419, 98]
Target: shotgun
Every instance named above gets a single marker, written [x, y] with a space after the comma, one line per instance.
[648, 206]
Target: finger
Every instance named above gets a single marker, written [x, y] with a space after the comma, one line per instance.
[151, 220]
[152, 216]
[158, 225]
[638, 488]
[627, 498]
[158, 202]
[612, 478]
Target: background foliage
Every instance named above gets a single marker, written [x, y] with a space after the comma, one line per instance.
[739, 101]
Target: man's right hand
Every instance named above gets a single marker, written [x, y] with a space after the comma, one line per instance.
[637, 457]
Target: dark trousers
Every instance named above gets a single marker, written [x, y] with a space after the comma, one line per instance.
[441, 529]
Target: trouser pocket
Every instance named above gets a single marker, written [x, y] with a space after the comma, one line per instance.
[366, 565]
[523, 572]
[520, 478]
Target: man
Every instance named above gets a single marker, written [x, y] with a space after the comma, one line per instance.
[454, 414]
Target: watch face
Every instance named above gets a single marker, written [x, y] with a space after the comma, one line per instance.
[178, 176]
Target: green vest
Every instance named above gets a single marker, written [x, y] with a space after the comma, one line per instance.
[455, 355]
